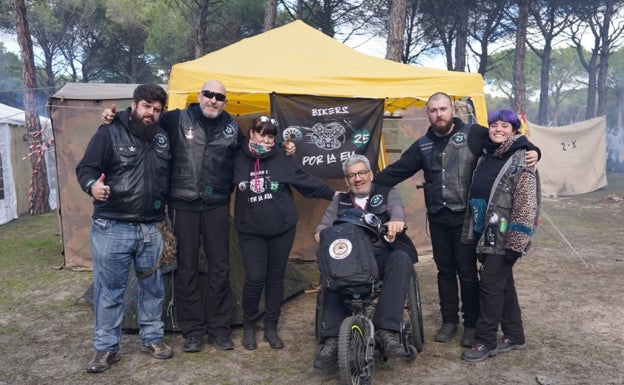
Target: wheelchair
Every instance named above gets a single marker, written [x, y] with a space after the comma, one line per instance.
[357, 347]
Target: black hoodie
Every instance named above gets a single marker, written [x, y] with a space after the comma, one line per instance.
[264, 203]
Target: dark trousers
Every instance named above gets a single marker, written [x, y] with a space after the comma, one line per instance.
[211, 229]
[396, 270]
[498, 302]
[265, 259]
[455, 260]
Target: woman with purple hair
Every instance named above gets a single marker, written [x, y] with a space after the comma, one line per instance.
[504, 205]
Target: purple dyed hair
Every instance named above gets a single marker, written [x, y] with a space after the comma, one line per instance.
[505, 115]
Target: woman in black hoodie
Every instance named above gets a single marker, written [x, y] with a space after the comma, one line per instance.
[266, 218]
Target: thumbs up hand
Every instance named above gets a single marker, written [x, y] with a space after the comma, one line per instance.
[289, 147]
[99, 190]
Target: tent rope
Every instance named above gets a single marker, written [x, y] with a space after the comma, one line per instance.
[543, 212]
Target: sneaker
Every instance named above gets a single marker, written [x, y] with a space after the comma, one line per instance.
[193, 344]
[468, 337]
[505, 345]
[389, 340]
[327, 355]
[446, 332]
[221, 342]
[102, 360]
[479, 352]
[158, 350]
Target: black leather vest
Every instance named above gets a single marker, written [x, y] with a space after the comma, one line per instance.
[448, 173]
[203, 162]
[138, 175]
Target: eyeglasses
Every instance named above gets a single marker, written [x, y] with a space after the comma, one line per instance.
[211, 94]
[265, 119]
[360, 173]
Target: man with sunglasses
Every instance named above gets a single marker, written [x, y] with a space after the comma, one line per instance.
[395, 259]
[204, 139]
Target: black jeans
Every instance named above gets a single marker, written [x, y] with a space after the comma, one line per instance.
[454, 259]
[265, 259]
[197, 316]
[498, 302]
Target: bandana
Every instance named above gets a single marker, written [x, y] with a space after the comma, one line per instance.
[260, 148]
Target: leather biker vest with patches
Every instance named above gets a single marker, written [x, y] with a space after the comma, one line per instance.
[138, 176]
[203, 162]
[447, 174]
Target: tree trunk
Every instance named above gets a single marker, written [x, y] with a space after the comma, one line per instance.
[39, 189]
[542, 114]
[200, 29]
[396, 31]
[270, 13]
[518, 70]
[462, 37]
[603, 64]
[299, 9]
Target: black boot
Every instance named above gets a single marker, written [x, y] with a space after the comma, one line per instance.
[270, 335]
[249, 337]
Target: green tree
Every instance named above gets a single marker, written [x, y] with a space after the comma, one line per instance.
[567, 77]
[550, 18]
[499, 76]
[10, 79]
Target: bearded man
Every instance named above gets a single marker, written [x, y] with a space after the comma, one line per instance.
[447, 154]
[125, 169]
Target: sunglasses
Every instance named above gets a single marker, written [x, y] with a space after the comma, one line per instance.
[211, 94]
[265, 119]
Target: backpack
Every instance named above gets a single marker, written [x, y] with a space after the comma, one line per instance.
[346, 259]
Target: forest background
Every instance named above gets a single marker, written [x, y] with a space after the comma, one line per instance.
[557, 61]
[573, 58]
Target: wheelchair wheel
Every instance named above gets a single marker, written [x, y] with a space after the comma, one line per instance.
[415, 332]
[355, 352]
[319, 315]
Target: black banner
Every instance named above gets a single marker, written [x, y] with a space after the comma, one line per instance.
[328, 130]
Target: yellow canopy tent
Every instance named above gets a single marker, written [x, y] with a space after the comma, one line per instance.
[298, 59]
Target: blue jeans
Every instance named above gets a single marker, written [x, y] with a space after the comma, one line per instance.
[115, 247]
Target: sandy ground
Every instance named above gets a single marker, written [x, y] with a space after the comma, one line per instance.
[570, 290]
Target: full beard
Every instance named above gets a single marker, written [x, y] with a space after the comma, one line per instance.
[442, 127]
[145, 132]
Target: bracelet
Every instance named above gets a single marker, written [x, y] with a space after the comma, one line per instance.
[89, 185]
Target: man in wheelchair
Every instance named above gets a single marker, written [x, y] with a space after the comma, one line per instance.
[395, 256]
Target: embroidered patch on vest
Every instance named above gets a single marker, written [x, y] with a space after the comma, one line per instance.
[459, 138]
[229, 131]
[376, 200]
[161, 140]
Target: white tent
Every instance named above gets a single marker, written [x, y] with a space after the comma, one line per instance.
[574, 157]
[16, 168]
